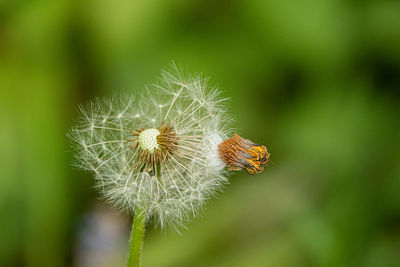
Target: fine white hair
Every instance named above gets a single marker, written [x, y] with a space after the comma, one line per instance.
[189, 177]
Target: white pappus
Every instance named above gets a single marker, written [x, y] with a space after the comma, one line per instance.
[158, 152]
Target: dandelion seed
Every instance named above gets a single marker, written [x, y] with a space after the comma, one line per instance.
[165, 153]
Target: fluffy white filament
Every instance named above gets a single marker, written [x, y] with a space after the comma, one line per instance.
[193, 173]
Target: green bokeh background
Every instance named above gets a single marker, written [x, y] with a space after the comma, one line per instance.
[317, 81]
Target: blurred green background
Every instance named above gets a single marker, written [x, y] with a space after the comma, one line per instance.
[317, 81]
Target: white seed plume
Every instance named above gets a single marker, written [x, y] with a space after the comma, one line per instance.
[193, 171]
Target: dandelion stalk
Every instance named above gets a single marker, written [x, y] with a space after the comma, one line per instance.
[137, 236]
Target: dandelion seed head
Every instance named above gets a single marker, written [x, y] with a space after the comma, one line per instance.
[157, 151]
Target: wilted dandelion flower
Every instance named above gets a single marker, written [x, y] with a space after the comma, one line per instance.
[164, 153]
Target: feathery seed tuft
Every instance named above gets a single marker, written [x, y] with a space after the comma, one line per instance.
[157, 152]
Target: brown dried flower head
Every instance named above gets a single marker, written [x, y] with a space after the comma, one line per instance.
[239, 153]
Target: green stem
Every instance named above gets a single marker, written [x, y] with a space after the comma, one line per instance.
[137, 235]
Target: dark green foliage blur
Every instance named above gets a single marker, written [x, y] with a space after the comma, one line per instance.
[318, 82]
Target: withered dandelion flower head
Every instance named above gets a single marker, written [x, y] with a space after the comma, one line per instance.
[239, 153]
[164, 152]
